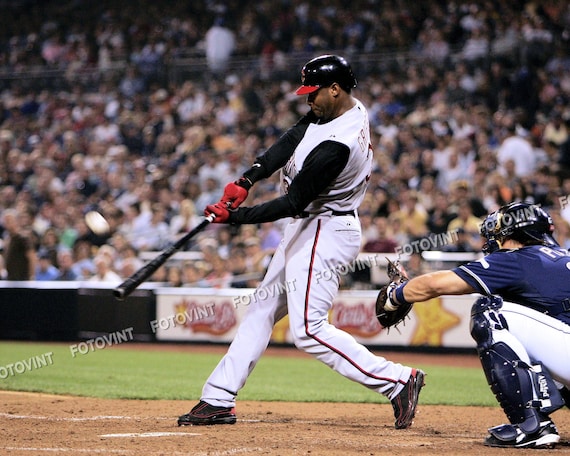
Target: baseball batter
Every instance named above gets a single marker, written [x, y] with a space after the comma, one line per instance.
[523, 342]
[325, 162]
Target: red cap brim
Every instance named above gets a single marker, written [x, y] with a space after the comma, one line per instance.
[304, 90]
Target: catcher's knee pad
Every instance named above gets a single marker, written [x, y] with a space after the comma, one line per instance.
[484, 318]
[525, 393]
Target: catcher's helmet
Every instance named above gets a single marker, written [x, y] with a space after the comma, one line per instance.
[322, 71]
[525, 223]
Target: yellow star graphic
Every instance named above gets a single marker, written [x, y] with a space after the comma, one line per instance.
[280, 330]
[432, 322]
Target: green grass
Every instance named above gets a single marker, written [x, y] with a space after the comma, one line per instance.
[139, 374]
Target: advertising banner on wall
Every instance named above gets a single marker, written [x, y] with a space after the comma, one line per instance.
[211, 315]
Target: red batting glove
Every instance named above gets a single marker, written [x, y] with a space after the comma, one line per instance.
[235, 193]
[220, 210]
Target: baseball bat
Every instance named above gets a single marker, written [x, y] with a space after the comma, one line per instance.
[129, 285]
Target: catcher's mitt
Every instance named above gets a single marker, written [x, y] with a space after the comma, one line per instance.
[387, 312]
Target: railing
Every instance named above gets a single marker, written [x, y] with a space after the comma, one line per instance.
[376, 261]
[191, 64]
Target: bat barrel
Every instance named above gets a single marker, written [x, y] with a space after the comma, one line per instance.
[119, 293]
[129, 285]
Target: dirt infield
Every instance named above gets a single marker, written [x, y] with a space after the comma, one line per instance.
[47, 424]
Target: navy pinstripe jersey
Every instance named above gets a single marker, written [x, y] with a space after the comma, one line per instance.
[534, 276]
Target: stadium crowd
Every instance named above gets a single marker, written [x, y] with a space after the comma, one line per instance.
[469, 109]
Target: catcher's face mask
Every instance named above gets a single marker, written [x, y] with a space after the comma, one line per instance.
[490, 229]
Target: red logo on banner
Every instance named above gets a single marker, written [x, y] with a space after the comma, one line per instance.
[359, 319]
[213, 318]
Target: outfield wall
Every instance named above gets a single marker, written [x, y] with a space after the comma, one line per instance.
[78, 310]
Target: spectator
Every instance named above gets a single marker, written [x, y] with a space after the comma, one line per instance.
[126, 253]
[83, 265]
[211, 193]
[270, 236]
[106, 132]
[127, 267]
[214, 168]
[517, 149]
[103, 270]
[436, 48]
[467, 222]
[149, 59]
[369, 230]
[219, 276]
[185, 220]
[411, 216]
[160, 275]
[224, 241]
[463, 243]
[452, 171]
[174, 276]
[19, 251]
[49, 245]
[132, 84]
[3, 272]
[416, 265]
[256, 259]
[156, 236]
[65, 262]
[555, 131]
[440, 215]
[45, 269]
[193, 272]
[383, 242]
[241, 277]
[220, 44]
[506, 42]
[476, 48]
[137, 219]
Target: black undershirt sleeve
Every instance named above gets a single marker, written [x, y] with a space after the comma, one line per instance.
[277, 155]
[320, 168]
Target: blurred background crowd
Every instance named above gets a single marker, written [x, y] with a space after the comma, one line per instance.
[145, 110]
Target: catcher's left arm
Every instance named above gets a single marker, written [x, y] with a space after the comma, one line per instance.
[391, 305]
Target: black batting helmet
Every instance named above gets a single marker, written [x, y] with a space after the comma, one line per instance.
[525, 223]
[323, 71]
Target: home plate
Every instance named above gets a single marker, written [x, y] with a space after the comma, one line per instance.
[148, 434]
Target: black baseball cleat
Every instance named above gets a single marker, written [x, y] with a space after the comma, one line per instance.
[405, 403]
[511, 436]
[206, 414]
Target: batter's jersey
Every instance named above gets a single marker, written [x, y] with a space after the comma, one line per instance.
[534, 276]
[347, 190]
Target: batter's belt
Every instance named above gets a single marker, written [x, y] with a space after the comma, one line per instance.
[306, 214]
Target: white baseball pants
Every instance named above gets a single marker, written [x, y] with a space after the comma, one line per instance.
[309, 246]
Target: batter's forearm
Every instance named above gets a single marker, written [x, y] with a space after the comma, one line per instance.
[266, 212]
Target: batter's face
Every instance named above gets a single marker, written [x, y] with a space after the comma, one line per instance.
[323, 102]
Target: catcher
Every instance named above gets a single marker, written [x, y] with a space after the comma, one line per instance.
[521, 324]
